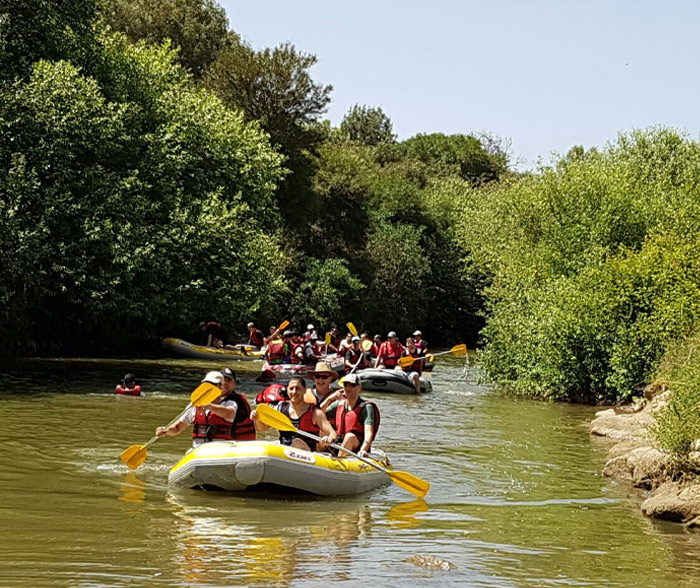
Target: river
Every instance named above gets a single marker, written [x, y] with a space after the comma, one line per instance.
[517, 497]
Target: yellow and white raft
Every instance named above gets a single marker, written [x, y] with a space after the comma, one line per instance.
[247, 465]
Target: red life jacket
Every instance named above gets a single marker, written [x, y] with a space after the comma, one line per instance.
[355, 355]
[270, 395]
[304, 423]
[276, 352]
[135, 391]
[211, 426]
[391, 353]
[416, 366]
[348, 421]
[256, 338]
[295, 356]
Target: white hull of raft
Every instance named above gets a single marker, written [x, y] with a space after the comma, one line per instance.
[187, 349]
[245, 465]
[393, 381]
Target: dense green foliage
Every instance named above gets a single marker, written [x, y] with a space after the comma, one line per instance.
[592, 265]
[679, 424]
[173, 174]
[197, 28]
[367, 125]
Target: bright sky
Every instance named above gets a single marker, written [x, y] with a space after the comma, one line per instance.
[548, 74]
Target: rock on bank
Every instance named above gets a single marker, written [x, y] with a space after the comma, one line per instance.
[636, 458]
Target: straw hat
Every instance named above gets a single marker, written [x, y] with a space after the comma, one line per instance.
[323, 368]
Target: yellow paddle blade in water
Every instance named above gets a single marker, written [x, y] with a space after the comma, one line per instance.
[134, 456]
[409, 482]
[274, 418]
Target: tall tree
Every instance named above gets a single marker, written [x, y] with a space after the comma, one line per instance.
[274, 87]
[44, 29]
[367, 125]
[198, 28]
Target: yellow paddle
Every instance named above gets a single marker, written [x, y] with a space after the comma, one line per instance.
[205, 393]
[366, 345]
[460, 349]
[277, 420]
[352, 329]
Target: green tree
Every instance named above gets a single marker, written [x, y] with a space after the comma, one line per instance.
[328, 293]
[274, 87]
[367, 125]
[197, 28]
[44, 29]
[135, 217]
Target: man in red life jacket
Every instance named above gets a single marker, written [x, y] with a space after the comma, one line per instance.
[357, 420]
[304, 416]
[389, 352]
[415, 369]
[255, 336]
[225, 419]
[279, 350]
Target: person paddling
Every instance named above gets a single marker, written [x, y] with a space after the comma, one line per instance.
[415, 369]
[322, 395]
[225, 419]
[304, 416]
[354, 357]
[357, 420]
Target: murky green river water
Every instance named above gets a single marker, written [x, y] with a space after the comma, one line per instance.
[517, 497]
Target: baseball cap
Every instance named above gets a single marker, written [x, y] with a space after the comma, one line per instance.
[229, 373]
[215, 378]
[309, 327]
[417, 334]
[355, 338]
[352, 379]
[392, 334]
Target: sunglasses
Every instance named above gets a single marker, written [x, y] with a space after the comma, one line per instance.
[349, 385]
[322, 377]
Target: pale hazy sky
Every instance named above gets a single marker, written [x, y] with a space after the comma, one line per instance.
[548, 74]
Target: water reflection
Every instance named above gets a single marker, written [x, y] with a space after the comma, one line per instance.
[220, 538]
[404, 515]
[132, 489]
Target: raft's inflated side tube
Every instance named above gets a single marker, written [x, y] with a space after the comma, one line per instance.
[135, 391]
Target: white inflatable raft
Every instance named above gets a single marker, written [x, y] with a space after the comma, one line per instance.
[394, 381]
[245, 465]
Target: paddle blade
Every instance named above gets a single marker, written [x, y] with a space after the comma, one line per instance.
[460, 349]
[351, 328]
[366, 345]
[409, 482]
[406, 361]
[284, 325]
[273, 418]
[205, 393]
[328, 338]
[134, 456]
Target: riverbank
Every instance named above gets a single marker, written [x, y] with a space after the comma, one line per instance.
[674, 495]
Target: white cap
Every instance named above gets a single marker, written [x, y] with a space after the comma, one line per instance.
[214, 378]
[417, 334]
[309, 327]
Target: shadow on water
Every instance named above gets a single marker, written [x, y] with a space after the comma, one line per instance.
[517, 497]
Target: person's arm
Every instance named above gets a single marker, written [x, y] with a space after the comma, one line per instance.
[322, 423]
[177, 427]
[330, 399]
[369, 430]
[225, 411]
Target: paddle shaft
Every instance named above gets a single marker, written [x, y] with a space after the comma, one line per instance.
[170, 424]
